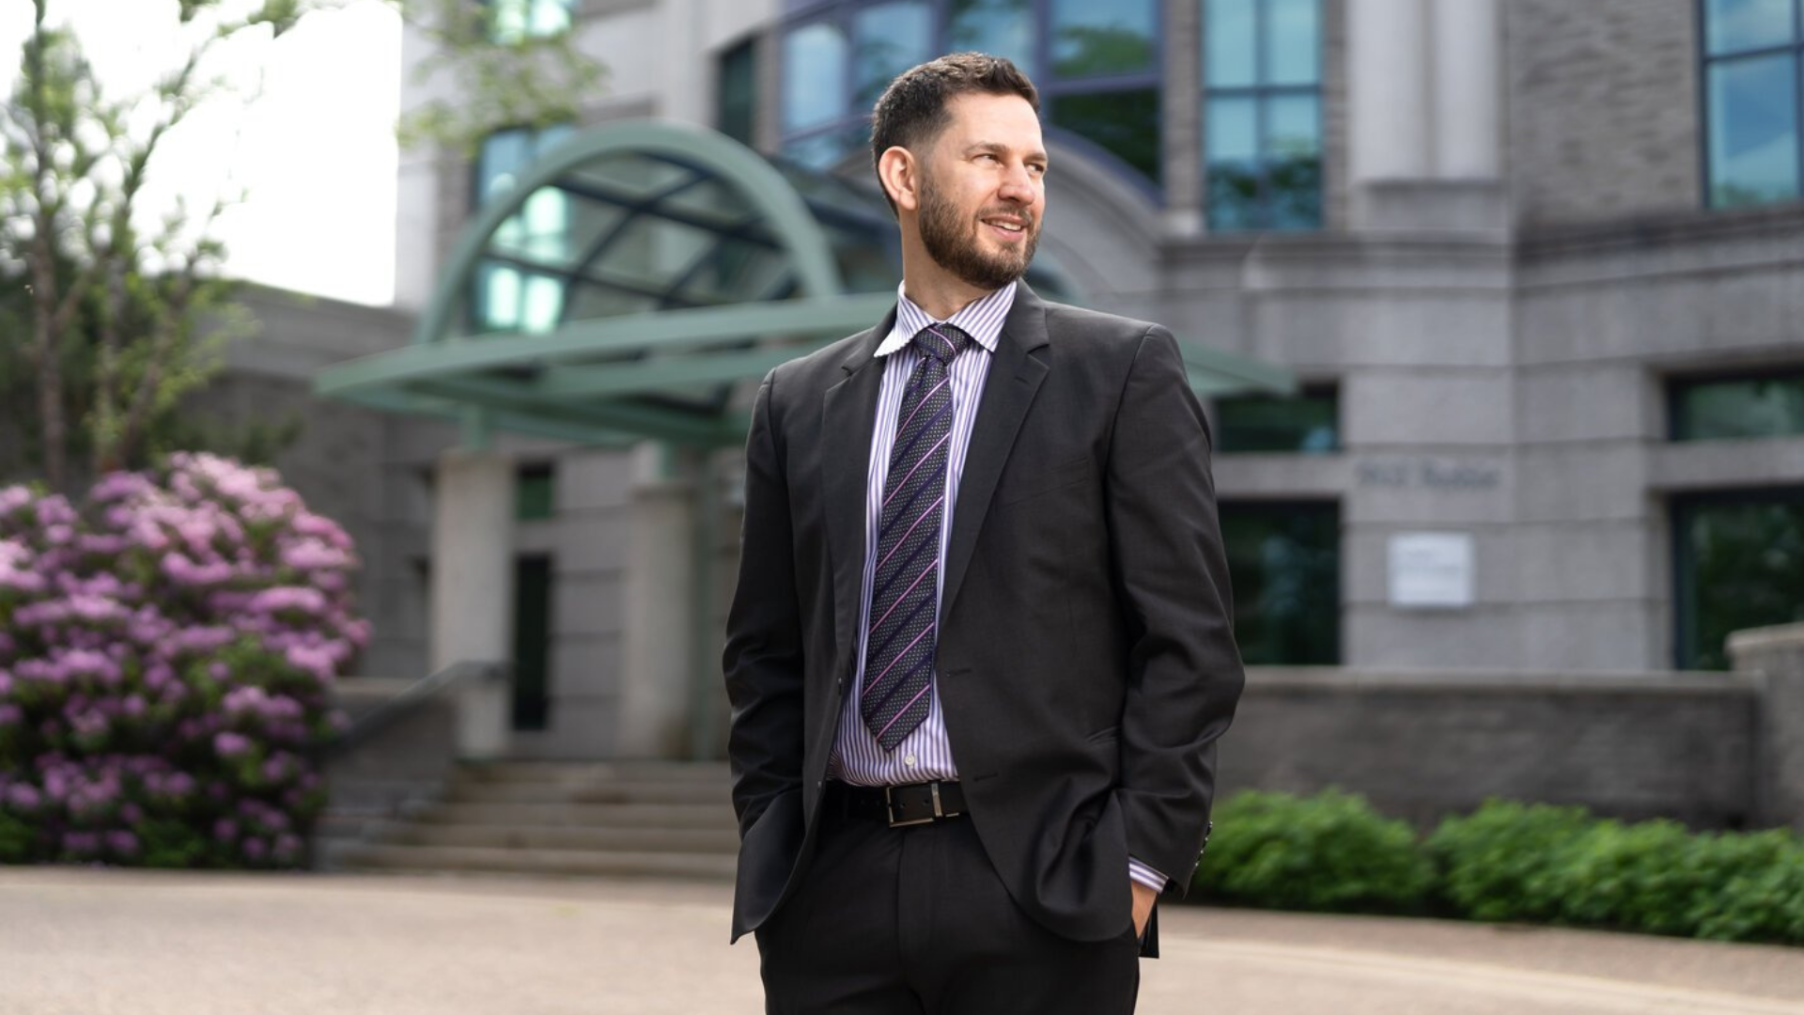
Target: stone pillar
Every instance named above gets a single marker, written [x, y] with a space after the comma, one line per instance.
[1387, 84]
[1775, 655]
[656, 659]
[1467, 103]
[1425, 111]
[472, 589]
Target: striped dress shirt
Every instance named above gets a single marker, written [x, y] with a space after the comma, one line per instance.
[925, 755]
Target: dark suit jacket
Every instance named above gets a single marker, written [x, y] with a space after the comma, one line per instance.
[1086, 659]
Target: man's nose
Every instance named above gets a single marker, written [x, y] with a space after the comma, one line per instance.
[1018, 185]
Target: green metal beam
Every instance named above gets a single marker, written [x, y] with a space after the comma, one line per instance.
[666, 374]
[763, 188]
[667, 330]
[406, 403]
[645, 420]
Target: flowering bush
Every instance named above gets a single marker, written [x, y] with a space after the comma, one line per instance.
[166, 661]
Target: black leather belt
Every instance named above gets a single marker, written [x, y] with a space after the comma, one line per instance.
[920, 803]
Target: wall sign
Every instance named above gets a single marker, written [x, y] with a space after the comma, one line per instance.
[1431, 570]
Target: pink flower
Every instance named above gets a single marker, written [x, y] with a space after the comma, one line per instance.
[22, 797]
[230, 745]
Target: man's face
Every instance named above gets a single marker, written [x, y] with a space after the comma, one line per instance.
[983, 190]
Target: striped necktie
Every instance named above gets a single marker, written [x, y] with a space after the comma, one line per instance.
[898, 668]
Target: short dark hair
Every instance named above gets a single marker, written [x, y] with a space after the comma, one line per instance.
[911, 112]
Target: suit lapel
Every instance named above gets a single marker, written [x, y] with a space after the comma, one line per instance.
[848, 416]
[1008, 391]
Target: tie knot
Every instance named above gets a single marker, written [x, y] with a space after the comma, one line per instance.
[941, 341]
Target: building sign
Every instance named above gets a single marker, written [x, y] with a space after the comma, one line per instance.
[1431, 570]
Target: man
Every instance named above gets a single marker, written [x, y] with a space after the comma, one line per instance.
[980, 651]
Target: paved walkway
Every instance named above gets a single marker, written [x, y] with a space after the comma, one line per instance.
[100, 942]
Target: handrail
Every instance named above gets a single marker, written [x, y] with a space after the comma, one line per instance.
[410, 699]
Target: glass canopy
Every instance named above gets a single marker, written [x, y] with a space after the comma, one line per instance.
[638, 272]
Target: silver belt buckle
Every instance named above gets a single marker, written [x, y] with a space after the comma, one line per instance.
[889, 807]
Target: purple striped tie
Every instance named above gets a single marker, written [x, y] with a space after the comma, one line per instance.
[898, 667]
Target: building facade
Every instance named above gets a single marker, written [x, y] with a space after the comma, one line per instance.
[1538, 266]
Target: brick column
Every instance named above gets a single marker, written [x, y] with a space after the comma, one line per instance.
[1776, 656]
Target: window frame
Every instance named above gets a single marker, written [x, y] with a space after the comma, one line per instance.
[1321, 389]
[1679, 509]
[1329, 504]
[1261, 93]
[1674, 386]
[1701, 32]
[474, 298]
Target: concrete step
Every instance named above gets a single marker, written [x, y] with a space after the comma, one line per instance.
[588, 772]
[630, 840]
[612, 791]
[537, 815]
[706, 866]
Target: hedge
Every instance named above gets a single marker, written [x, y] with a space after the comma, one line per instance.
[1506, 861]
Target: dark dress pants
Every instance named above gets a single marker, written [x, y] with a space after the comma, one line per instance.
[914, 920]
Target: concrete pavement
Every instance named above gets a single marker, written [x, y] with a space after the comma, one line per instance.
[109, 942]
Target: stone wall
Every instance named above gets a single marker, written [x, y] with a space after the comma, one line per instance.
[1773, 657]
[1603, 108]
[1422, 745]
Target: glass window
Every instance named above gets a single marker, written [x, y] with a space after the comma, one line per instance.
[736, 92]
[1125, 123]
[1096, 64]
[520, 292]
[1091, 39]
[814, 76]
[1740, 564]
[888, 39]
[1262, 114]
[1231, 44]
[1284, 563]
[534, 492]
[1307, 424]
[518, 20]
[1734, 25]
[1002, 27]
[1752, 60]
[532, 643]
[1729, 408]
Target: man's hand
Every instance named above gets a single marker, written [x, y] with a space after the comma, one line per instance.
[1144, 898]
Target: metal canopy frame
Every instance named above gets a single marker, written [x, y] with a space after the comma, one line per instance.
[667, 373]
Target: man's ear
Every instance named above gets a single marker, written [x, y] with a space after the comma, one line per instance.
[901, 177]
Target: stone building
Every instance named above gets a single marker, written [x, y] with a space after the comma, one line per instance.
[1537, 268]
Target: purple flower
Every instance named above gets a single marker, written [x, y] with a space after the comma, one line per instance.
[122, 843]
[231, 745]
[225, 830]
[22, 796]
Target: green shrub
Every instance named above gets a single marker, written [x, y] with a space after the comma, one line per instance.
[1644, 876]
[1757, 884]
[1498, 862]
[1507, 861]
[1330, 852]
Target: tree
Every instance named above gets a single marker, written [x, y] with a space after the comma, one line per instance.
[112, 312]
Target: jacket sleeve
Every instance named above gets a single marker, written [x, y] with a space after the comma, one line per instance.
[763, 651]
[1184, 674]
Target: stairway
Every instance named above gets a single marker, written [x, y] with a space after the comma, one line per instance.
[583, 819]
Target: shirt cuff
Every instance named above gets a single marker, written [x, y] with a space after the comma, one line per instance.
[1145, 875]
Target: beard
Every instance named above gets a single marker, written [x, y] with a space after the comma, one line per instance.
[949, 241]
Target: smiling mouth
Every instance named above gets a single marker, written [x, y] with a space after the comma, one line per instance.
[1012, 227]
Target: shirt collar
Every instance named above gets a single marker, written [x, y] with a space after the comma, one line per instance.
[981, 319]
